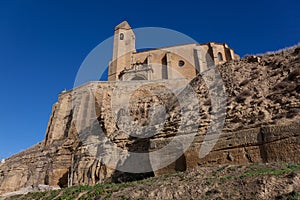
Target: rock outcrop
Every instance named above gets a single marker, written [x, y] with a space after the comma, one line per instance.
[261, 125]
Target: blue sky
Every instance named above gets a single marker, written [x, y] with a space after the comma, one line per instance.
[43, 43]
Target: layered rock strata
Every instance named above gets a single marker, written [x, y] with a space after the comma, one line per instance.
[93, 127]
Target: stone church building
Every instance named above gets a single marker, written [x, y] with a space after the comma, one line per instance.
[181, 61]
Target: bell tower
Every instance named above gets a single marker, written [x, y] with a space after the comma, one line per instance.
[124, 46]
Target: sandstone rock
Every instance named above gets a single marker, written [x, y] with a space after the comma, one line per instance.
[97, 124]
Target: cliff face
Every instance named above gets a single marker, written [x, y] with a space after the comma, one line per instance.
[261, 125]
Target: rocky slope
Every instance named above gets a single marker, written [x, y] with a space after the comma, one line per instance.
[256, 181]
[261, 124]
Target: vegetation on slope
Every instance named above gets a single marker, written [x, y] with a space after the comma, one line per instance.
[260, 181]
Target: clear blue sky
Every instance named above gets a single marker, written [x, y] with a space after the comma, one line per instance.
[43, 43]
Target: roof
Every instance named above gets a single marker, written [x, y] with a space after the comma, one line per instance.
[179, 45]
[123, 25]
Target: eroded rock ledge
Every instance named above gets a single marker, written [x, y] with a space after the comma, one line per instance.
[261, 125]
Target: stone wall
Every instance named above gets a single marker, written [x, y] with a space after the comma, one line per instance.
[180, 61]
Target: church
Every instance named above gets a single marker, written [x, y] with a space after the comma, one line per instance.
[175, 62]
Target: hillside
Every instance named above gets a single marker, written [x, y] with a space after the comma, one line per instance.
[261, 125]
[257, 181]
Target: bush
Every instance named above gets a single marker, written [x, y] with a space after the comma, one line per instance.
[281, 86]
[245, 82]
[243, 96]
[294, 74]
[297, 89]
[297, 51]
[292, 113]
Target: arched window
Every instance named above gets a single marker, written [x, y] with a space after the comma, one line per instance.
[121, 36]
[136, 78]
[220, 56]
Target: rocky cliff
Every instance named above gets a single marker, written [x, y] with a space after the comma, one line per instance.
[261, 124]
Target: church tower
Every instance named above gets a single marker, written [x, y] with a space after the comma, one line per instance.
[124, 46]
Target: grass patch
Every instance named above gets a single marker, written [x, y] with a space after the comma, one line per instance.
[209, 181]
[226, 178]
[262, 170]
